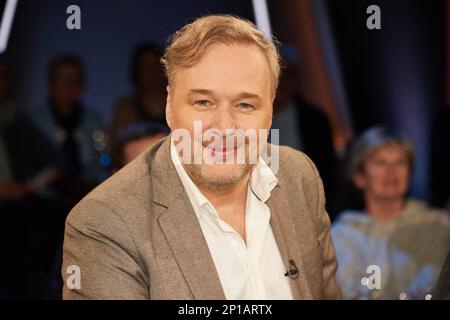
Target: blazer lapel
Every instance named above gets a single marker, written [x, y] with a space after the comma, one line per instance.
[185, 237]
[182, 229]
[289, 242]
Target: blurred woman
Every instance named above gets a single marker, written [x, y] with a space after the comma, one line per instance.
[395, 247]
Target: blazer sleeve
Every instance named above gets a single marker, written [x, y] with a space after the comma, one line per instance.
[100, 251]
[330, 288]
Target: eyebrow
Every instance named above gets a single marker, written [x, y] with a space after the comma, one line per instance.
[242, 95]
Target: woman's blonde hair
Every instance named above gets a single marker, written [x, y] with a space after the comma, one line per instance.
[187, 45]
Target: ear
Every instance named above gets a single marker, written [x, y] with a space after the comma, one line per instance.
[169, 111]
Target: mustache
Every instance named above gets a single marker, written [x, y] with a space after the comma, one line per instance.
[225, 142]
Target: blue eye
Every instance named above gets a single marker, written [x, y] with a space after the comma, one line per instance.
[203, 103]
[245, 106]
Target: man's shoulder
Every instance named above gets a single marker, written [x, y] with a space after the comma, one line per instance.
[297, 175]
[120, 195]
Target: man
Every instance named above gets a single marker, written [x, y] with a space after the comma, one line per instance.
[68, 127]
[167, 227]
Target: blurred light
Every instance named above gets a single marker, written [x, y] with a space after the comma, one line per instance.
[262, 16]
[7, 19]
[335, 74]
[105, 160]
[100, 146]
[98, 135]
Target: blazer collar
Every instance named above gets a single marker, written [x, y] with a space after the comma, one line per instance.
[289, 240]
[181, 228]
[185, 237]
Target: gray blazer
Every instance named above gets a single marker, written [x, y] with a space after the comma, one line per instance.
[136, 236]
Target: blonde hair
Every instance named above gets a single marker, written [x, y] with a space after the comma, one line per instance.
[187, 45]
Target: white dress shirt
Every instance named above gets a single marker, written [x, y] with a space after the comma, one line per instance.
[252, 271]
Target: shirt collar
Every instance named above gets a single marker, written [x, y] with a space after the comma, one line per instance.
[262, 180]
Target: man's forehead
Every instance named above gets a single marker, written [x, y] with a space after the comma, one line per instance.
[237, 94]
[235, 68]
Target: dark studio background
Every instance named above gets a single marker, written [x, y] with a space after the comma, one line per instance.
[359, 78]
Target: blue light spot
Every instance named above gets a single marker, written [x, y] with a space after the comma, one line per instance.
[105, 160]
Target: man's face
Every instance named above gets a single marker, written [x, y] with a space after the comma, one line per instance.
[229, 88]
[66, 86]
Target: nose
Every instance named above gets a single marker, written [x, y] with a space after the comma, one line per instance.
[224, 120]
[393, 172]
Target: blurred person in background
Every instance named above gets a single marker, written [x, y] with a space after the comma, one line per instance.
[68, 127]
[149, 99]
[25, 167]
[135, 139]
[404, 237]
[32, 222]
[303, 126]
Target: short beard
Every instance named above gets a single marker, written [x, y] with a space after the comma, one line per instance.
[203, 180]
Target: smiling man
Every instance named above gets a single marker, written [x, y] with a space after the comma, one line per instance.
[207, 216]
